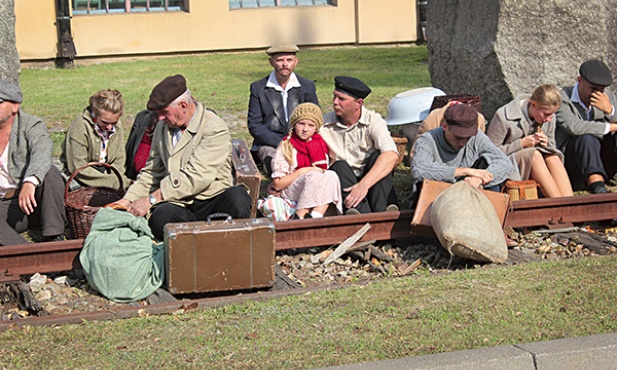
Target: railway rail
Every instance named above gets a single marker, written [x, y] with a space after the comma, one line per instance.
[48, 257]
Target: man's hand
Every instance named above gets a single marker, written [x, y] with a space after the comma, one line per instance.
[27, 202]
[484, 176]
[601, 101]
[476, 182]
[356, 194]
[139, 207]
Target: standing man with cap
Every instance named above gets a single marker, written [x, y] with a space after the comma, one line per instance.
[188, 174]
[272, 100]
[31, 188]
[361, 149]
[586, 126]
[456, 151]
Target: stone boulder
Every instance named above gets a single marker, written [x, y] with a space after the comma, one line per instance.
[9, 59]
[500, 48]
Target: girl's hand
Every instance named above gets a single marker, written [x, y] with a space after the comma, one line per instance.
[542, 139]
[530, 141]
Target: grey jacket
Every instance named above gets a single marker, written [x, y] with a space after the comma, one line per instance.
[572, 122]
[30, 148]
[510, 125]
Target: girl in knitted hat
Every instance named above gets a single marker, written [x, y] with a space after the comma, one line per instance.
[300, 166]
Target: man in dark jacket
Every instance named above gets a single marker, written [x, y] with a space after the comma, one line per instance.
[31, 188]
[272, 100]
[586, 126]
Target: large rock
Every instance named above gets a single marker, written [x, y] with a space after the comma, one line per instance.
[500, 48]
[9, 59]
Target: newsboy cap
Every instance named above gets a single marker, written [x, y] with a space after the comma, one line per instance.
[10, 92]
[596, 73]
[282, 48]
[351, 86]
[463, 117]
[166, 92]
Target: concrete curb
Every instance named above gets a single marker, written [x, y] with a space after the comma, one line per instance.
[592, 352]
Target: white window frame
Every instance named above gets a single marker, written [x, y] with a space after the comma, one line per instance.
[254, 4]
[102, 7]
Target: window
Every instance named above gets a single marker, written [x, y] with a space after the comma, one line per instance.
[237, 4]
[127, 6]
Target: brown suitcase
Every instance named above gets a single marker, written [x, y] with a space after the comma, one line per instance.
[210, 256]
[246, 171]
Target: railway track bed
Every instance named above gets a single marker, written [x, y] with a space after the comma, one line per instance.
[390, 249]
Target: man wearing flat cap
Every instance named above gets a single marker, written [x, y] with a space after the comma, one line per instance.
[272, 100]
[31, 188]
[362, 151]
[188, 174]
[586, 126]
[458, 151]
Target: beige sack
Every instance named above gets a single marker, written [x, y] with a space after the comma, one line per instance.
[467, 225]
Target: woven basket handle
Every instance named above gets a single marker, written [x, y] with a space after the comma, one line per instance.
[92, 164]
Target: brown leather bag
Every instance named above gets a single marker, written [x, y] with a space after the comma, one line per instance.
[521, 190]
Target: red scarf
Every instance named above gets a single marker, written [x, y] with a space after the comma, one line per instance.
[310, 153]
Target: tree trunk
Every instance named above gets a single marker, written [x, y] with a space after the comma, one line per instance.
[9, 59]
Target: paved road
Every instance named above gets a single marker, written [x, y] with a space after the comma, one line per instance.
[593, 352]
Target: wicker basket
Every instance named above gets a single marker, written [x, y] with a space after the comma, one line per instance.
[401, 145]
[473, 100]
[83, 204]
[521, 190]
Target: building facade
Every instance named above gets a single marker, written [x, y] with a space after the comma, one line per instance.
[107, 28]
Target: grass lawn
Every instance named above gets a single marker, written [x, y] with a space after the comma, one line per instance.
[220, 80]
[410, 316]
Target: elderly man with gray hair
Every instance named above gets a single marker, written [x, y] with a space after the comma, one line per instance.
[31, 188]
[188, 174]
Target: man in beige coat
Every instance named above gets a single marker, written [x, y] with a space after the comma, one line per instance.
[188, 174]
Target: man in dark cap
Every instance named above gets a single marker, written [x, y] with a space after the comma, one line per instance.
[31, 188]
[586, 126]
[362, 151]
[457, 150]
[272, 100]
[188, 174]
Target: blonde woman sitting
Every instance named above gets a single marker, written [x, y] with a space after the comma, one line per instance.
[96, 135]
[525, 130]
[300, 166]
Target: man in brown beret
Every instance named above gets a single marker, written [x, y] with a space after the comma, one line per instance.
[188, 174]
[586, 126]
[272, 100]
[458, 151]
[361, 149]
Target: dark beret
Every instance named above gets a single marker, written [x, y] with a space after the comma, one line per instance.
[596, 73]
[166, 92]
[282, 48]
[351, 86]
[463, 116]
[10, 92]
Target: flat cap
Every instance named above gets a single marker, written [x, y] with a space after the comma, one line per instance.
[282, 48]
[596, 73]
[166, 92]
[462, 116]
[11, 92]
[351, 86]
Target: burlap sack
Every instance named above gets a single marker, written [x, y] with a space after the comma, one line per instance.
[467, 225]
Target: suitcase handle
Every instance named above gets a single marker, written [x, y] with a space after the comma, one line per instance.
[220, 215]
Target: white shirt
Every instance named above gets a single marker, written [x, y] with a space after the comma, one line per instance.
[274, 84]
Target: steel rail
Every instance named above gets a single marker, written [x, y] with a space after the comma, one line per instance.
[64, 256]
